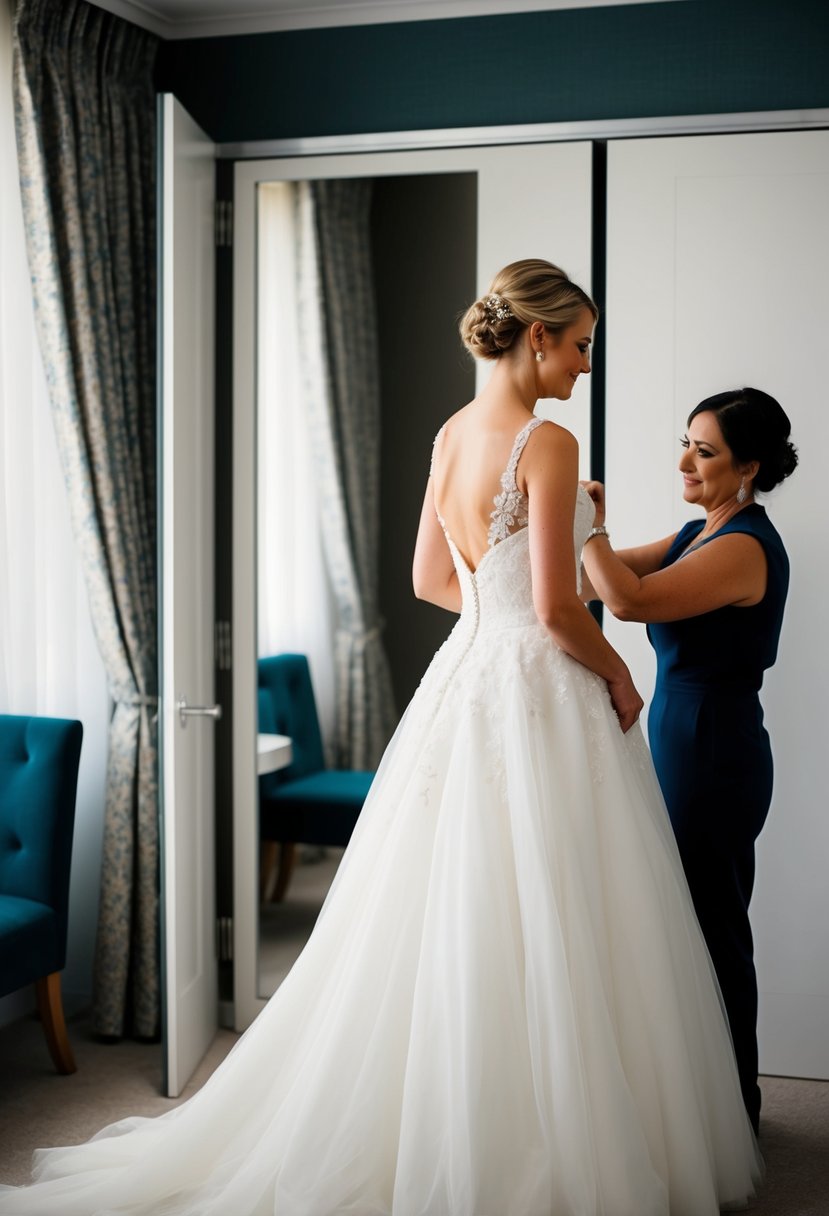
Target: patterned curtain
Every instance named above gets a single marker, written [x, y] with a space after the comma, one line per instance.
[338, 333]
[85, 123]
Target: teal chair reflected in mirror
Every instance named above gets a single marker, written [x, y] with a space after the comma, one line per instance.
[305, 803]
[39, 759]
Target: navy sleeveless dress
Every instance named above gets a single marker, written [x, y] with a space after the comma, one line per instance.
[714, 763]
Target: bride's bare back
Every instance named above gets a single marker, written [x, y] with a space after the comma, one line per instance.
[471, 455]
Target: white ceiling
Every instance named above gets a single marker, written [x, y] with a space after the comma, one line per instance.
[211, 18]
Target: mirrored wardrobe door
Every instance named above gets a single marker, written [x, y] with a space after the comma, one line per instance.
[442, 223]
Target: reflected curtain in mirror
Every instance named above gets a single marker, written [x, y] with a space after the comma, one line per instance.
[339, 361]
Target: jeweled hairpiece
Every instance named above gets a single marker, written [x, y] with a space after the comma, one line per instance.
[497, 308]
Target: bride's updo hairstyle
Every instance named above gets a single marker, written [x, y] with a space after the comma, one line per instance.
[755, 427]
[523, 292]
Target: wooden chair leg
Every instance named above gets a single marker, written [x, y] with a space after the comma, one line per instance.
[287, 861]
[50, 1007]
[267, 865]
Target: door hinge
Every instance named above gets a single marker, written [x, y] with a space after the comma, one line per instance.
[224, 652]
[224, 939]
[224, 223]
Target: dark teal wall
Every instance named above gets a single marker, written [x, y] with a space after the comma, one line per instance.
[637, 60]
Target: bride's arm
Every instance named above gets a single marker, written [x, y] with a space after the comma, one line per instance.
[550, 470]
[433, 572]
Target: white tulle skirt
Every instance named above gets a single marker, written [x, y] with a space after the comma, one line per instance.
[506, 1007]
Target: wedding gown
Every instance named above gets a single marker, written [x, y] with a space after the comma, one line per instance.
[506, 1007]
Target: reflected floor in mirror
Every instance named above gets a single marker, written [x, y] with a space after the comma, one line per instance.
[284, 927]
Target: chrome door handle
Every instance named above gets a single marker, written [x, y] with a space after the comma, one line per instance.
[186, 711]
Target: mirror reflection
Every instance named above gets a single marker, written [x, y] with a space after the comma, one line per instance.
[359, 286]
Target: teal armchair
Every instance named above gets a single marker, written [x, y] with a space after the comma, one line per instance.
[306, 802]
[39, 759]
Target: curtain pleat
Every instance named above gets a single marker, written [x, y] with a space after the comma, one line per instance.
[340, 358]
[85, 125]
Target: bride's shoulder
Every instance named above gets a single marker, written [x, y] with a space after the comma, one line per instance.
[551, 437]
[451, 422]
[443, 432]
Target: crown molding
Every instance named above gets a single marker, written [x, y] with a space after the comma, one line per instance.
[174, 19]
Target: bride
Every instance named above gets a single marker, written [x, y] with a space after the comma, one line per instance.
[506, 1007]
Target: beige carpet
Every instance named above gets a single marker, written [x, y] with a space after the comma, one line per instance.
[38, 1107]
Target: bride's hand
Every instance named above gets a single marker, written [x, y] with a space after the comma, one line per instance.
[626, 701]
[596, 491]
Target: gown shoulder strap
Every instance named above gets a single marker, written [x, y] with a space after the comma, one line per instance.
[508, 481]
[511, 507]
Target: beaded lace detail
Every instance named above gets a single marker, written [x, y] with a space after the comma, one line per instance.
[511, 506]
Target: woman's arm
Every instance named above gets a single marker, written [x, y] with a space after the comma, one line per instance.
[433, 572]
[550, 470]
[729, 569]
[645, 559]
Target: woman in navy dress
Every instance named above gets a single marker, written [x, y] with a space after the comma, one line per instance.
[713, 596]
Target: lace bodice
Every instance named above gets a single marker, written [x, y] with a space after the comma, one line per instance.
[498, 593]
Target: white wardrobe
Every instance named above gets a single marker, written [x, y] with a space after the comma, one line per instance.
[717, 266]
[717, 274]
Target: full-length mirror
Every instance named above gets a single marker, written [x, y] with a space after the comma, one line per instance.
[350, 275]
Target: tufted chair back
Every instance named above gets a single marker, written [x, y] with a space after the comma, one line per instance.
[38, 779]
[287, 707]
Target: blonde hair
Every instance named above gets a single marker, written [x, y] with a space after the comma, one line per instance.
[523, 292]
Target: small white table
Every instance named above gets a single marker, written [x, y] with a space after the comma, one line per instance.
[272, 753]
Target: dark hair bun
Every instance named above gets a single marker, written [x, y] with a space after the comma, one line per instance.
[771, 429]
[776, 467]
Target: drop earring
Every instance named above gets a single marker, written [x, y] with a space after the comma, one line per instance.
[742, 493]
[539, 356]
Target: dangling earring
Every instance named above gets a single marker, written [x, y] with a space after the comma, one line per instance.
[742, 493]
[539, 356]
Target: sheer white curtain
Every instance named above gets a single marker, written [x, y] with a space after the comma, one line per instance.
[49, 662]
[296, 611]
